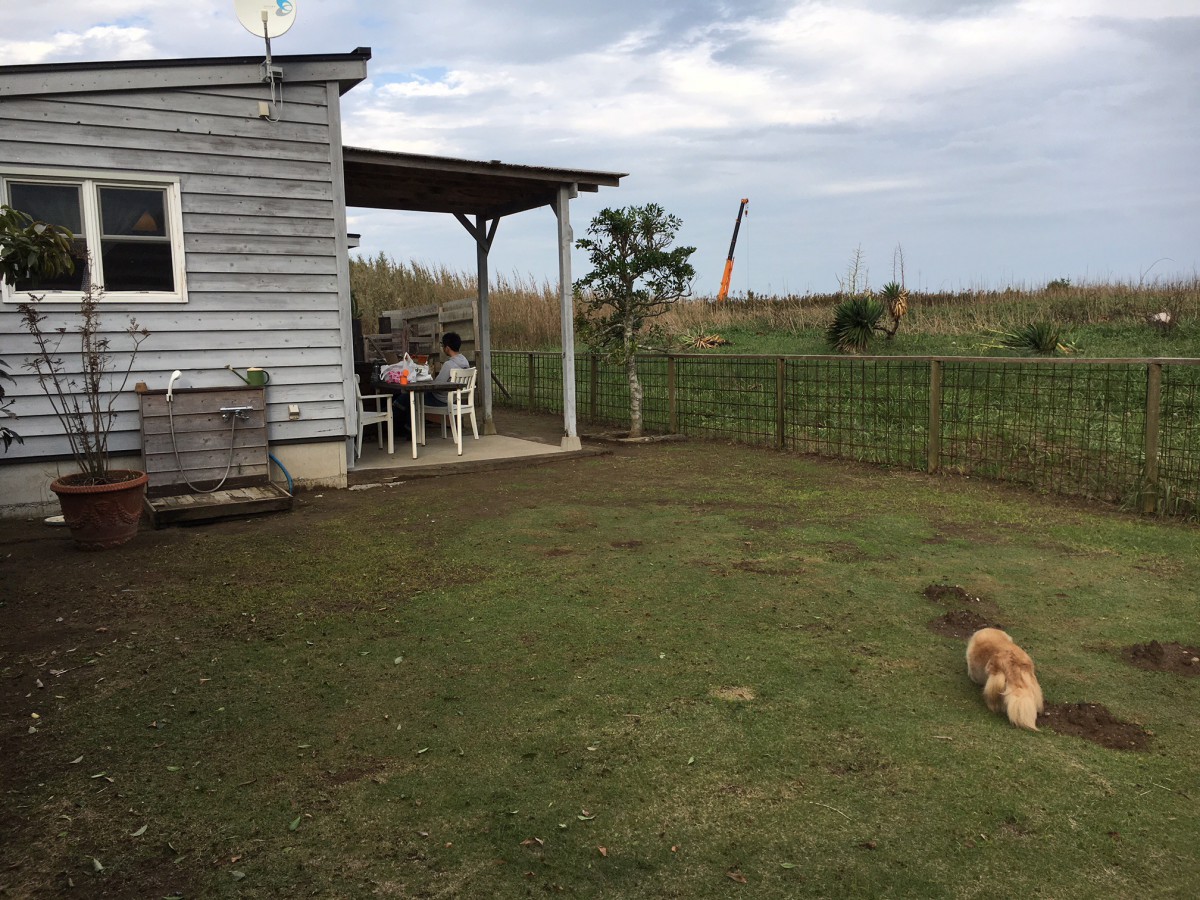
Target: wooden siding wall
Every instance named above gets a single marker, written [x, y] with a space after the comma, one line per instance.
[260, 240]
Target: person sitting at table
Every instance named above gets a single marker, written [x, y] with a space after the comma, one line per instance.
[451, 345]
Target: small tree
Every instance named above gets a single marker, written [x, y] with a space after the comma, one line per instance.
[28, 250]
[636, 276]
[79, 392]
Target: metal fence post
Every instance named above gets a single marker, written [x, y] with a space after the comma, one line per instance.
[1153, 418]
[934, 443]
[532, 381]
[594, 386]
[780, 374]
[672, 408]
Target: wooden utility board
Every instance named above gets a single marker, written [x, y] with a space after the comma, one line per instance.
[203, 437]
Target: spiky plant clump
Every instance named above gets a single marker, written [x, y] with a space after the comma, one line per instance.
[1036, 337]
[855, 322]
[702, 340]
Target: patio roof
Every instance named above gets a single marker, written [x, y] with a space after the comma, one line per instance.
[381, 179]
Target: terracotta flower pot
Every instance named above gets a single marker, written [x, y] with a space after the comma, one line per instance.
[102, 515]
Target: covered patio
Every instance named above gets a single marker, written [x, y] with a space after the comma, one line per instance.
[520, 438]
[478, 195]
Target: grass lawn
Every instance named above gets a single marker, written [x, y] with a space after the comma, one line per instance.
[679, 670]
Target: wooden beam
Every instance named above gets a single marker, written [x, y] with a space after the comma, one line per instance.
[483, 340]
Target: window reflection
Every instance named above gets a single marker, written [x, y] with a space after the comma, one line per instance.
[56, 204]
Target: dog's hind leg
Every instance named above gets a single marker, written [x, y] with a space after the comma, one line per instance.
[993, 692]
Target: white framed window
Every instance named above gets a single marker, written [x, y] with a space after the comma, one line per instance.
[129, 230]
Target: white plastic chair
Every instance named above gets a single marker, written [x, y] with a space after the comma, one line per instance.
[379, 414]
[458, 404]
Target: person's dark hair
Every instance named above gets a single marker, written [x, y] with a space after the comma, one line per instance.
[452, 340]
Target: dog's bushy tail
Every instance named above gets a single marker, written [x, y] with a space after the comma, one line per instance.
[1014, 697]
[1022, 707]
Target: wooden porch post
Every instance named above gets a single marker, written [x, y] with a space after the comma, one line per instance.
[566, 239]
[484, 235]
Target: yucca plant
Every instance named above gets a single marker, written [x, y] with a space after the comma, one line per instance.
[855, 322]
[895, 295]
[701, 339]
[1036, 337]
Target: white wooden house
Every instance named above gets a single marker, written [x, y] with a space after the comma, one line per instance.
[213, 205]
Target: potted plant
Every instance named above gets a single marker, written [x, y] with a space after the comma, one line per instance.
[102, 506]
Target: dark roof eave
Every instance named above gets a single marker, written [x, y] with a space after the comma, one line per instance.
[587, 179]
[358, 55]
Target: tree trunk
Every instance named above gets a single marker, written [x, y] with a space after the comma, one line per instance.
[635, 386]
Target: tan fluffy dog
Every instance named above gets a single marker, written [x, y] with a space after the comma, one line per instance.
[1006, 673]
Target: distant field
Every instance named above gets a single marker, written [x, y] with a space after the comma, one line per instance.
[1099, 319]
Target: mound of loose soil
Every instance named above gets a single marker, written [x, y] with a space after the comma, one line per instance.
[1172, 657]
[960, 623]
[948, 594]
[1094, 723]
[967, 615]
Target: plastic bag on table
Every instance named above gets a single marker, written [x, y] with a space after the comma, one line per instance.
[414, 371]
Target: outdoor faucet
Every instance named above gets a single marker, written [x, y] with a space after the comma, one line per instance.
[171, 384]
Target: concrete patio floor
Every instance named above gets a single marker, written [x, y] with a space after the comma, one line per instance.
[521, 439]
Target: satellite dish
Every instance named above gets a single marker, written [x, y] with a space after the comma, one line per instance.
[266, 18]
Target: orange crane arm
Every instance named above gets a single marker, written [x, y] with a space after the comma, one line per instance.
[729, 261]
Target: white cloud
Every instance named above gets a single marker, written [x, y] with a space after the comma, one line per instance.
[97, 42]
[986, 136]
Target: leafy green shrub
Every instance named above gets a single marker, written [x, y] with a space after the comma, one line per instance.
[7, 435]
[855, 322]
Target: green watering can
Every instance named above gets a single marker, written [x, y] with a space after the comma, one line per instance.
[255, 377]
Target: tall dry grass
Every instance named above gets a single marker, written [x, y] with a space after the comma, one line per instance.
[381, 283]
[525, 314]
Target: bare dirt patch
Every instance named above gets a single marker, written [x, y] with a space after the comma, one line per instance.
[373, 770]
[757, 567]
[968, 612]
[1094, 723]
[1171, 657]
[843, 551]
[960, 623]
[734, 693]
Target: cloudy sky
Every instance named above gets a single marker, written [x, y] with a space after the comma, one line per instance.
[996, 143]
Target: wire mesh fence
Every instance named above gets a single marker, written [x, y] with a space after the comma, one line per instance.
[1120, 431]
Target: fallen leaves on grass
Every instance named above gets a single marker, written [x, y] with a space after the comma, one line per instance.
[736, 875]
